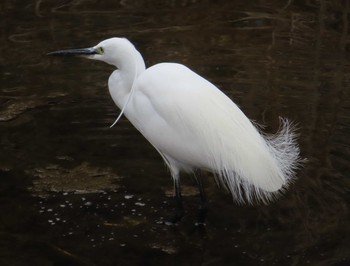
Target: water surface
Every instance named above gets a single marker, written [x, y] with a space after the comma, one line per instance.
[75, 192]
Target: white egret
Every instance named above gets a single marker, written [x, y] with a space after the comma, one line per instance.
[193, 125]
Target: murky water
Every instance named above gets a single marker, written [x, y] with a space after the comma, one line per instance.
[75, 192]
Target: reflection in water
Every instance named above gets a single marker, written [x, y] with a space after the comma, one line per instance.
[274, 58]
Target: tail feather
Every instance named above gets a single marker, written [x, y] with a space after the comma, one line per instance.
[285, 149]
[276, 165]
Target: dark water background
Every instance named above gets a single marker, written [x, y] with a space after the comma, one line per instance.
[75, 192]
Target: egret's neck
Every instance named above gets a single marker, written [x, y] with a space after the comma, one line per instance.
[122, 79]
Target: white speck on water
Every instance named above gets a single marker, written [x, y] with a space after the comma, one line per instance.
[122, 245]
[140, 204]
[62, 205]
[49, 210]
[88, 203]
[128, 196]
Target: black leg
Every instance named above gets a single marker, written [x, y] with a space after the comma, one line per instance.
[179, 210]
[203, 205]
[178, 200]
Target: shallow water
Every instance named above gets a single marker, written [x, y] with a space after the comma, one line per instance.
[75, 192]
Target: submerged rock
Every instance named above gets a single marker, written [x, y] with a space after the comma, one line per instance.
[83, 178]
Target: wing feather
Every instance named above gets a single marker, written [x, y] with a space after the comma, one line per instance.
[194, 125]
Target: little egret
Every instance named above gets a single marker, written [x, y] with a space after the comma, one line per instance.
[194, 126]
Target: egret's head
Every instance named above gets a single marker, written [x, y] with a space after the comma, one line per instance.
[113, 51]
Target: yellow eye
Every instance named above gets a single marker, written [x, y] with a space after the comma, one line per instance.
[100, 50]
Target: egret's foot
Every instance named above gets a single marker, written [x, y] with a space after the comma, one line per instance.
[179, 214]
[200, 224]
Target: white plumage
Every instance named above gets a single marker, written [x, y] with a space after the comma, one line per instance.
[193, 125]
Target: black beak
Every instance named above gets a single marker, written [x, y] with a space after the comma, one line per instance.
[75, 52]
